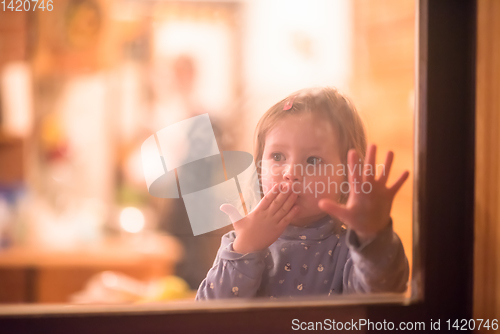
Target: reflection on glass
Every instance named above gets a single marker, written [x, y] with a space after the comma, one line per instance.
[84, 88]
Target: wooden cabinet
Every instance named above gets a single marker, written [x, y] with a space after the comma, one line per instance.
[45, 276]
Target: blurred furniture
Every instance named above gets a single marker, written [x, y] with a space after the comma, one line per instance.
[31, 275]
[11, 152]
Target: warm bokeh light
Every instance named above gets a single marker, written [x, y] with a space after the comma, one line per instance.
[132, 220]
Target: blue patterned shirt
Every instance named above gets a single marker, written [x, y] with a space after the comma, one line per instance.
[323, 258]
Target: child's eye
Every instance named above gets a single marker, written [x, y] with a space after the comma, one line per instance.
[314, 160]
[276, 156]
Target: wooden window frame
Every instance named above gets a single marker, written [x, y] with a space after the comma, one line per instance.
[444, 209]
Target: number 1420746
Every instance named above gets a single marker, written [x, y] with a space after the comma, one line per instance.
[27, 5]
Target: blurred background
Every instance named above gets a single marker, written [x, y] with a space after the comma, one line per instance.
[82, 86]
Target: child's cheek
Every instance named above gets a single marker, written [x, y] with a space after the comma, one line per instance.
[266, 185]
[270, 174]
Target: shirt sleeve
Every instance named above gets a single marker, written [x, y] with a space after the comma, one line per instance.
[233, 274]
[378, 265]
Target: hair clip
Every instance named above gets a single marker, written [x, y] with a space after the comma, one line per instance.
[289, 104]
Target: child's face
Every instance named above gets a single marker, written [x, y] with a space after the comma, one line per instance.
[302, 150]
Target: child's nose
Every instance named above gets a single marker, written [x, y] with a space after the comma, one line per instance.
[291, 174]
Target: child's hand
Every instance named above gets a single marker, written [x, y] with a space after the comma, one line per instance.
[366, 212]
[261, 227]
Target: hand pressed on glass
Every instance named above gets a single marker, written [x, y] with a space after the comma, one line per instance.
[366, 212]
[262, 227]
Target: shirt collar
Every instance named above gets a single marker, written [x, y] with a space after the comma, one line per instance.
[318, 230]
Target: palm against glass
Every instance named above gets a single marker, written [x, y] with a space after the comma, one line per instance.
[366, 212]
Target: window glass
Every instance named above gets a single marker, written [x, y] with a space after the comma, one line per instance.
[124, 125]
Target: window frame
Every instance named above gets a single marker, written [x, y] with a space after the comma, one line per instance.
[443, 208]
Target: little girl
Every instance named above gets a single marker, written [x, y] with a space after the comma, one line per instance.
[323, 226]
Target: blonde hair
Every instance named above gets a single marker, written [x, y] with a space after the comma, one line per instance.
[326, 102]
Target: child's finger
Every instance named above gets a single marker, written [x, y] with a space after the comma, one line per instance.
[289, 217]
[286, 207]
[334, 209]
[231, 211]
[368, 169]
[233, 214]
[387, 167]
[279, 200]
[397, 185]
[269, 197]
